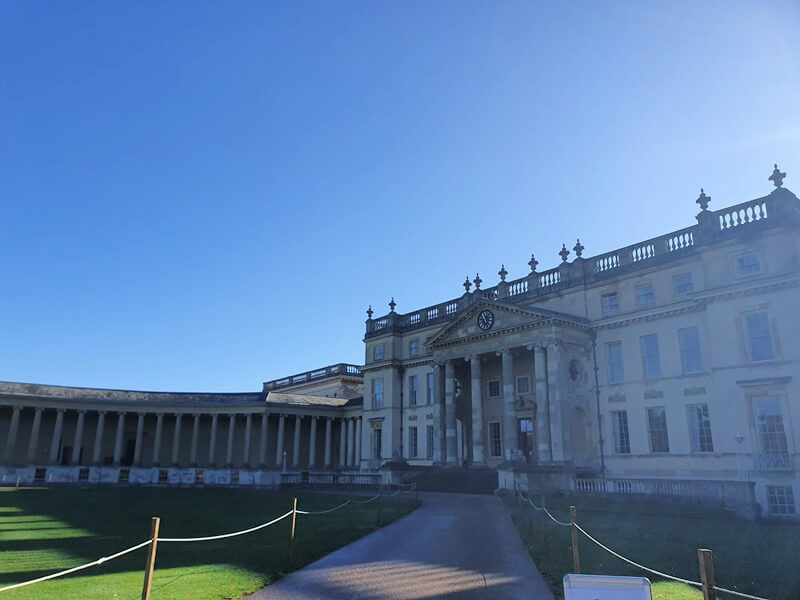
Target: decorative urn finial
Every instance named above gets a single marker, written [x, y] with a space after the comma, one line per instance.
[477, 281]
[777, 177]
[533, 263]
[502, 272]
[467, 284]
[392, 304]
[564, 252]
[703, 200]
[369, 312]
[578, 248]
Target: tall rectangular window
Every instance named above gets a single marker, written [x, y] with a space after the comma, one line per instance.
[622, 440]
[412, 442]
[616, 373]
[651, 361]
[657, 428]
[769, 423]
[494, 388]
[644, 294]
[377, 392]
[759, 340]
[689, 340]
[377, 352]
[749, 264]
[429, 441]
[431, 393]
[780, 499]
[377, 442]
[523, 385]
[610, 303]
[699, 428]
[412, 389]
[683, 284]
[413, 348]
[495, 440]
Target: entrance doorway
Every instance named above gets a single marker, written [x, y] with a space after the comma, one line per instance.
[527, 441]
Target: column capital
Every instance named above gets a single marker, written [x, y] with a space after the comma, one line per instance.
[503, 352]
[81, 411]
[141, 414]
[61, 410]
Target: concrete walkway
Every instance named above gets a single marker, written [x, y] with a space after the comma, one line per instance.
[453, 546]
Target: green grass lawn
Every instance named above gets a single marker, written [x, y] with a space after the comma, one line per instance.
[749, 557]
[47, 530]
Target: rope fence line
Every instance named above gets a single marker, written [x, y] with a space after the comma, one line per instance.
[94, 563]
[292, 513]
[631, 562]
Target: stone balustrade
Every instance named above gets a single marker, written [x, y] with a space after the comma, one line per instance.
[316, 374]
[712, 225]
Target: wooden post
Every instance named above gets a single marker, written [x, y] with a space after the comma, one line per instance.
[151, 558]
[706, 560]
[294, 525]
[576, 553]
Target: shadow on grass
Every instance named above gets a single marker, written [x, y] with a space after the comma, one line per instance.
[107, 520]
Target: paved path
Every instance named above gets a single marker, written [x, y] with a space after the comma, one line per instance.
[453, 546]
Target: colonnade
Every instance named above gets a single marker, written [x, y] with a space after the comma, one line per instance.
[202, 430]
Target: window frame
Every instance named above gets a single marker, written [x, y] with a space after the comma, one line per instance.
[651, 431]
[772, 494]
[609, 345]
[430, 388]
[748, 339]
[413, 442]
[618, 431]
[489, 388]
[607, 310]
[429, 441]
[737, 265]
[684, 352]
[377, 443]
[413, 389]
[527, 380]
[413, 347]
[648, 359]
[676, 286]
[498, 441]
[696, 441]
[652, 294]
[377, 382]
[375, 352]
[767, 434]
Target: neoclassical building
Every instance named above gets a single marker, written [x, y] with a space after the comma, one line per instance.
[668, 367]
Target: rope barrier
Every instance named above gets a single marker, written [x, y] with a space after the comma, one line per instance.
[322, 512]
[227, 535]
[635, 564]
[365, 501]
[94, 563]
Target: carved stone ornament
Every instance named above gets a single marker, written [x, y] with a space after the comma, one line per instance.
[576, 371]
[653, 394]
[616, 398]
[697, 390]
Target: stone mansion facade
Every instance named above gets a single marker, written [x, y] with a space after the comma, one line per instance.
[674, 360]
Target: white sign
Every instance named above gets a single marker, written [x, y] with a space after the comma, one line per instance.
[606, 587]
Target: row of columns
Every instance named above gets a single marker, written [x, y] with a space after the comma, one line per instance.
[548, 402]
[350, 444]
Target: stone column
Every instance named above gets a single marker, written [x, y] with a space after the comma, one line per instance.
[477, 411]
[328, 426]
[542, 405]
[118, 439]
[312, 442]
[296, 441]
[157, 439]
[231, 432]
[451, 456]
[98, 438]
[279, 445]
[509, 411]
[248, 430]
[351, 446]
[342, 444]
[137, 449]
[12, 435]
[34, 441]
[195, 436]
[75, 459]
[212, 440]
[56, 436]
[555, 397]
[176, 440]
[438, 415]
[358, 444]
[262, 449]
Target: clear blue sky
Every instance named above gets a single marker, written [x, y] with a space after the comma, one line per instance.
[207, 195]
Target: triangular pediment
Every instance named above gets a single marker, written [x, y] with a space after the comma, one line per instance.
[503, 317]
